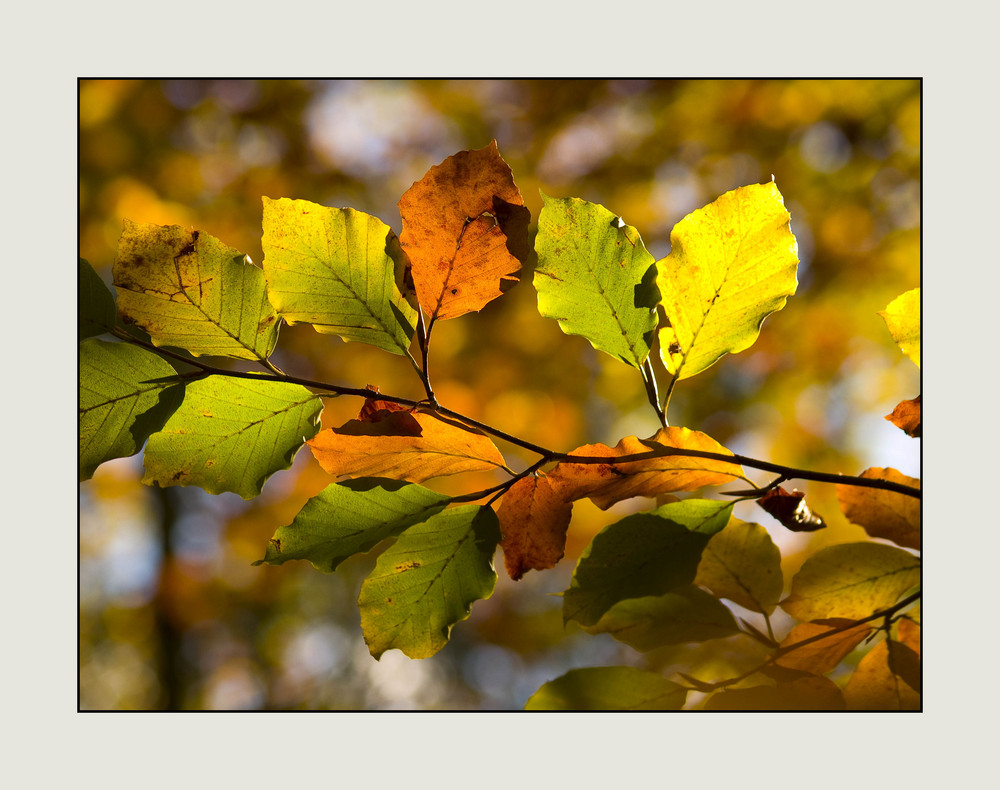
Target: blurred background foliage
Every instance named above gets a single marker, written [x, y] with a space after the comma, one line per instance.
[173, 616]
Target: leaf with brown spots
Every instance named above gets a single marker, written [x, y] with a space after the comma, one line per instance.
[659, 472]
[906, 417]
[884, 514]
[533, 521]
[465, 230]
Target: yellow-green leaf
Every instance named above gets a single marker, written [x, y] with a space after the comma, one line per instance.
[608, 688]
[742, 563]
[902, 316]
[731, 264]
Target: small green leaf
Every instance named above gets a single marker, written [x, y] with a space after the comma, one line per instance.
[608, 688]
[595, 277]
[188, 290]
[231, 435]
[97, 311]
[427, 581]
[852, 580]
[350, 517]
[338, 270]
[742, 563]
[688, 614]
[121, 400]
[644, 554]
[902, 317]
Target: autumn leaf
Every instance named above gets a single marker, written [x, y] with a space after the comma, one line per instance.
[189, 290]
[731, 264]
[878, 683]
[906, 417]
[807, 693]
[791, 510]
[465, 230]
[595, 277]
[404, 445]
[823, 655]
[883, 514]
[902, 317]
[97, 312]
[742, 563]
[533, 521]
[607, 483]
[608, 688]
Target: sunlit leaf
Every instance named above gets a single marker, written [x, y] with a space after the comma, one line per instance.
[607, 483]
[731, 264]
[465, 230]
[595, 277]
[823, 655]
[350, 517]
[877, 685]
[852, 580]
[188, 290]
[97, 309]
[336, 269]
[902, 317]
[742, 563]
[404, 445]
[126, 393]
[231, 434]
[533, 521]
[427, 581]
[884, 514]
[642, 555]
[906, 417]
[809, 693]
[608, 688]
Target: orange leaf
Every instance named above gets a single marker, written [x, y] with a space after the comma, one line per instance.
[607, 483]
[876, 686]
[533, 521]
[884, 514]
[807, 693]
[823, 655]
[465, 230]
[403, 445]
[909, 634]
[906, 416]
[370, 412]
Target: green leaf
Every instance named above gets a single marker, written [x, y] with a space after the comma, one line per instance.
[902, 317]
[231, 435]
[337, 269]
[731, 264]
[123, 399]
[643, 554]
[688, 614]
[608, 688]
[852, 580]
[188, 290]
[742, 563]
[350, 517]
[595, 277]
[97, 311]
[427, 580]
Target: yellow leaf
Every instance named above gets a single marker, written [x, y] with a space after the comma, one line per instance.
[876, 685]
[884, 514]
[902, 316]
[533, 521]
[825, 654]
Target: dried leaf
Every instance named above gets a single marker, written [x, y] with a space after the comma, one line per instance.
[465, 230]
[884, 514]
[906, 417]
[373, 406]
[533, 520]
[607, 483]
[791, 510]
[823, 655]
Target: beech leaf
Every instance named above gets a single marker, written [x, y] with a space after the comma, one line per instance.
[533, 520]
[906, 417]
[231, 434]
[595, 277]
[608, 688]
[97, 311]
[879, 685]
[823, 655]
[742, 563]
[902, 317]
[427, 581]
[350, 517]
[851, 580]
[404, 445]
[731, 264]
[188, 290]
[884, 514]
[608, 483]
[465, 230]
[337, 270]
[807, 693]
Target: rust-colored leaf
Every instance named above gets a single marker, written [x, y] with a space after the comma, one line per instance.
[533, 521]
[884, 514]
[371, 411]
[607, 483]
[906, 417]
[807, 693]
[825, 654]
[909, 634]
[878, 683]
[465, 230]
[403, 445]
[791, 510]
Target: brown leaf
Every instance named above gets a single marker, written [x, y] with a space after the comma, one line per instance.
[791, 510]
[823, 655]
[373, 406]
[809, 693]
[607, 483]
[533, 521]
[403, 445]
[884, 514]
[875, 686]
[906, 416]
[465, 230]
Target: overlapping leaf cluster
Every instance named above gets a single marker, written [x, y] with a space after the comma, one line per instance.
[654, 578]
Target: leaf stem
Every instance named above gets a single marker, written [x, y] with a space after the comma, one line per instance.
[649, 379]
